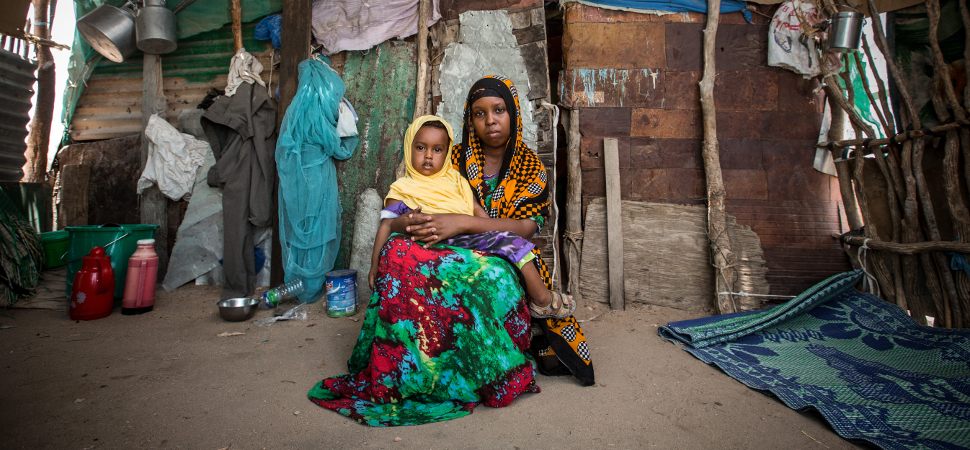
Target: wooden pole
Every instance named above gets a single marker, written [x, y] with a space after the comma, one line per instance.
[154, 204]
[724, 259]
[574, 201]
[35, 171]
[295, 48]
[421, 97]
[614, 222]
[237, 25]
[421, 91]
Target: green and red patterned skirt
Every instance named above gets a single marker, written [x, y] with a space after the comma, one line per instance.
[447, 328]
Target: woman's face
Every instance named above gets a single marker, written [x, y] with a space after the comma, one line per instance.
[492, 122]
[428, 150]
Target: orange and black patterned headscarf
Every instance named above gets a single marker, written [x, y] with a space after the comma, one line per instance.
[521, 192]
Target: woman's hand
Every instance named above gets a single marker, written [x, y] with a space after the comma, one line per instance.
[405, 223]
[372, 276]
[439, 227]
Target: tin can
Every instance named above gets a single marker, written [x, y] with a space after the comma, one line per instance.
[341, 293]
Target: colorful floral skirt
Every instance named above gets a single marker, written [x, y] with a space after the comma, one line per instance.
[447, 328]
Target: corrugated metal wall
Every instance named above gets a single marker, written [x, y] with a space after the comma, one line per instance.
[16, 91]
[110, 106]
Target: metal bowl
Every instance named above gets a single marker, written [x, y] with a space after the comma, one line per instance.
[237, 309]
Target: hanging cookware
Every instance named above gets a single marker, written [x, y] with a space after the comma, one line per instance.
[110, 31]
[845, 31]
[155, 28]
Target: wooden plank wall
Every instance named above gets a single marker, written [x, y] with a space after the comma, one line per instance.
[643, 92]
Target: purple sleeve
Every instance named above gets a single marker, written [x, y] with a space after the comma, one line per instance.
[395, 210]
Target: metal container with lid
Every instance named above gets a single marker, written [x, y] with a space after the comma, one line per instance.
[845, 31]
[155, 28]
[110, 31]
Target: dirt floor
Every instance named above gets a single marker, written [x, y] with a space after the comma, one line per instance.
[166, 379]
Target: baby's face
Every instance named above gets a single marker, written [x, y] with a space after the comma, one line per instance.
[428, 150]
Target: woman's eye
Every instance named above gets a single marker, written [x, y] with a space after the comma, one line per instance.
[499, 110]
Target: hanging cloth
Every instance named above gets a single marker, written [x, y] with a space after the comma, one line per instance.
[309, 207]
[442, 193]
[244, 67]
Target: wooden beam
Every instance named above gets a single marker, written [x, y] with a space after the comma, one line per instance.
[154, 204]
[72, 208]
[614, 222]
[295, 42]
[574, 201]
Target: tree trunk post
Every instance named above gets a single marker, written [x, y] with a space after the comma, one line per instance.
[724, 259]
[38, 141]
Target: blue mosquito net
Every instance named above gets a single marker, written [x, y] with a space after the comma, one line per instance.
[309, 207]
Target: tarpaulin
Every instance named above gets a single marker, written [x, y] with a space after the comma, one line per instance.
[667, 6]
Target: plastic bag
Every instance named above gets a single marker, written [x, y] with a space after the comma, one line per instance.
[786, 47]
[298, 312]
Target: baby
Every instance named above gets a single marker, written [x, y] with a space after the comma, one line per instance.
[433, 186]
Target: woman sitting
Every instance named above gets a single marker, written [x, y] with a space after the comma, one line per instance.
[432, 185]
[448, 327]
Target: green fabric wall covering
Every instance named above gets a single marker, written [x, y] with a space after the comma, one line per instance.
[381, 86]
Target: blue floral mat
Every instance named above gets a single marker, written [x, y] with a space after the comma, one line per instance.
[863, 363]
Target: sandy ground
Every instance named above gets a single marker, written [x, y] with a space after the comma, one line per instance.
[166, 380]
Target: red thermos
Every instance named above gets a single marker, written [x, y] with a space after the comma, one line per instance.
[93, 291]
[140, 283]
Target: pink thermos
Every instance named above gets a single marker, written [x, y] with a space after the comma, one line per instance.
[140, 283]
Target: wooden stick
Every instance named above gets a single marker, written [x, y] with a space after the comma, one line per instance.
[237, 25]
[951, 176]
[724, 259]
[574, 201]
[614, 222]
[908, 249]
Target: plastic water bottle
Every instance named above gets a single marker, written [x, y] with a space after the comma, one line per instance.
[272, 297]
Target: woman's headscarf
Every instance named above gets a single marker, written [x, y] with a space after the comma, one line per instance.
[442, 193]
[521, 192]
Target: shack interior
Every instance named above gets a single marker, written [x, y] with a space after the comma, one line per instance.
[693, 175]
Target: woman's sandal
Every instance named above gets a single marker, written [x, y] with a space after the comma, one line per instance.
[566, 307]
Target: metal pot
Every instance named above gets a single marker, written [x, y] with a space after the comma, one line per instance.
[845, 31]
[110, 31]
[155, 28]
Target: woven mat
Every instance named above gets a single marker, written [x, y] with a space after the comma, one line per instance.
[51, 292]
[863, 363]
